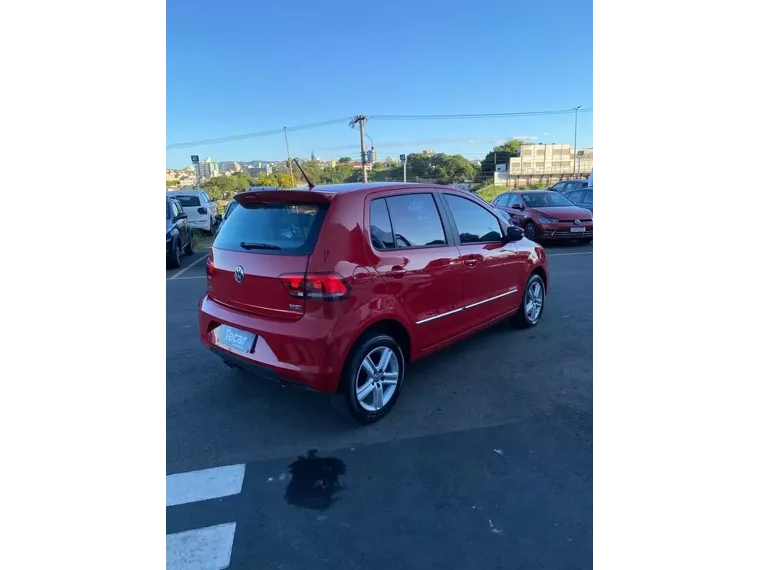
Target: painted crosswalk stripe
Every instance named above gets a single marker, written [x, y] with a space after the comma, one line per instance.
[207, 548]
[205, 484]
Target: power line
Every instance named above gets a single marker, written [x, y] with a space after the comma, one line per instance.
[272, 132]
[476, 115]
[253, 135]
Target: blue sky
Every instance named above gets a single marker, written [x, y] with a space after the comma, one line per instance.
[239, 67]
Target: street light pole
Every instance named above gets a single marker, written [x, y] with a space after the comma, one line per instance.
[574, 166]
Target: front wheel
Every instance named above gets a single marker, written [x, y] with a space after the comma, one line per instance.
[530, 231]
[173, 260]
[372, 379]
[531, 310]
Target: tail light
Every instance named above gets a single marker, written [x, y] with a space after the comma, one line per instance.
[322, 286]
[202, 211]
[210, 268]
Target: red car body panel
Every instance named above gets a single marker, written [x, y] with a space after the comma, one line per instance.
[435, 295]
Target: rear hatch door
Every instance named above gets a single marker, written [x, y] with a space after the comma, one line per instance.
[269, 235]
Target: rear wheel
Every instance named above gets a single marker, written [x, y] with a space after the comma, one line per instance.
[188, 249]
[531, 310]
[372, 379]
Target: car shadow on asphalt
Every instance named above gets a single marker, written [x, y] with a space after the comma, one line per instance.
[285, 404]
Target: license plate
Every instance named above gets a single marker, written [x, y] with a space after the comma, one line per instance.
[577, 230]
[235, 339]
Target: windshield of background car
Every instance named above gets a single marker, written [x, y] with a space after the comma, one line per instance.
[291, 228]
[545, 199]
[188, 201]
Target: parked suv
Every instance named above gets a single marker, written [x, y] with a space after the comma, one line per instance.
[178, 233]
[339, 287]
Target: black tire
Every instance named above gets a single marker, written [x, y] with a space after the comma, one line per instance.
[173, 259]
[346, 401]
[189, 249]
[522, 318]
[584, 241]
[531, 231]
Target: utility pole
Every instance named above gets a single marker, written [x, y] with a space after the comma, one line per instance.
[575, 162]
[361, 121]
[289, 161]
[403, 160]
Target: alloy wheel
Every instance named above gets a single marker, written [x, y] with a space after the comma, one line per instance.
[377, 379]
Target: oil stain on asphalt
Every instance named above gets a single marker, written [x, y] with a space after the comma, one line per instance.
[314, 481]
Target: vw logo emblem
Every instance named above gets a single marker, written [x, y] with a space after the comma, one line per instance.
[239, 274]
[578, 222]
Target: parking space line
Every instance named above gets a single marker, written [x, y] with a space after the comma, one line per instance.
[205, 484]
[574, 253]
[187, 277]
[208, 548]
[181, 271]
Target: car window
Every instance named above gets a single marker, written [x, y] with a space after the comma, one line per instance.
[559, 187]
[415, 220]
[588, 198]
[188, 201]
[206, 198]
[174, 209]
[380, 228]
[285, 228]
[230, 208]
[473, 222]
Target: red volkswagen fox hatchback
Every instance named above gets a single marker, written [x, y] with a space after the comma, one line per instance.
[337, 288]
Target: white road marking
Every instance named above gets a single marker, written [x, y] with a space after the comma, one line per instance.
[575, 253]
[178, 273]
[208, 548]
[205, 484]
[186, 277]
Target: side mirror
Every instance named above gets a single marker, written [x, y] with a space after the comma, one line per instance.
[518, 207]
[514, 233]
[182, 216]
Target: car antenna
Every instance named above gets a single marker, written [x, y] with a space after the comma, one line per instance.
[310, 185]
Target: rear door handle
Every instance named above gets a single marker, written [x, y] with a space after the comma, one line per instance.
[396, 272]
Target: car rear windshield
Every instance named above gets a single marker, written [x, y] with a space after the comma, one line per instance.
[188, 201]
[273, 228]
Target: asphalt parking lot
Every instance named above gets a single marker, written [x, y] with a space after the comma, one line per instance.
[485, 462]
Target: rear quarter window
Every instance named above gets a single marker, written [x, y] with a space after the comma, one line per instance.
[279, 228]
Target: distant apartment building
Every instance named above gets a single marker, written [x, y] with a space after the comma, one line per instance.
[260, 169]
[208, 168]
[550, 159]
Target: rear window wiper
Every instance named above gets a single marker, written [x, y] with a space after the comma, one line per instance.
[253, 245]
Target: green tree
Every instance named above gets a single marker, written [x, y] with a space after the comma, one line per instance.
[500, 155]
[345, 159]
[454, 169]
[337, 174]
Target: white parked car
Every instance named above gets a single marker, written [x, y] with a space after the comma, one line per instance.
[201, 210]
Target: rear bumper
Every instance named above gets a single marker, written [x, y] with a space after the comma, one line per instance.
[301, 352]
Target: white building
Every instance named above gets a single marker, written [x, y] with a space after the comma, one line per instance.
[208, 168]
